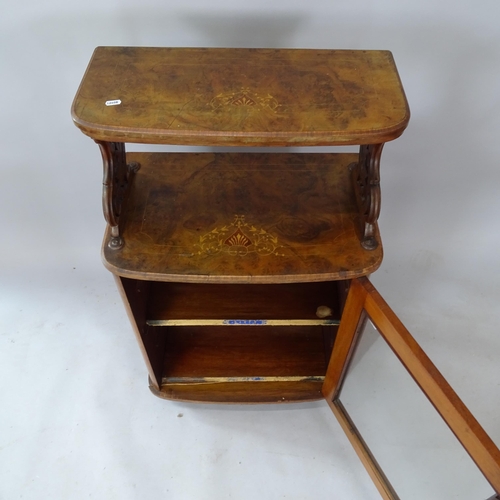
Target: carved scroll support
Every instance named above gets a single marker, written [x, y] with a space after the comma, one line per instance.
[366, 180]
[115, 182]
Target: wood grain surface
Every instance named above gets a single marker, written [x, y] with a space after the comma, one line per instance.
[243, 364]
[235, 97]
[207, 301]
[241, 218]
[242, 392]
[244, 351]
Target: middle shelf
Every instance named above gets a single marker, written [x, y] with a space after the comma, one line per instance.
[242, 218]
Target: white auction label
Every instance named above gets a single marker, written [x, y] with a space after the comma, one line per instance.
[114, 102]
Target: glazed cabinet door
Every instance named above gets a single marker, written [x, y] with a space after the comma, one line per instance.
[380, 393]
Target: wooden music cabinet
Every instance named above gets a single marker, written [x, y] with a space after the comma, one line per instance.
[244, 274]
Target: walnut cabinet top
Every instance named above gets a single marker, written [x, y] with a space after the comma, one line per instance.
[241, 97]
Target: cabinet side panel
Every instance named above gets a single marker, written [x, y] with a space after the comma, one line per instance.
[135, 295]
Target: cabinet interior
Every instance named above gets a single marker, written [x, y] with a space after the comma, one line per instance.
[237, 343]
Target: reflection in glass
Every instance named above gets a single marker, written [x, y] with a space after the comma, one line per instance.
[414, 447]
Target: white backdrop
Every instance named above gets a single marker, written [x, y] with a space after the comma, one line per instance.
[73, 385]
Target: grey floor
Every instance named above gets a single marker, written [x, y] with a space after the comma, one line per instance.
[76, 417]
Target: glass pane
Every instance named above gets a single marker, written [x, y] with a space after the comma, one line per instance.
[411, 442]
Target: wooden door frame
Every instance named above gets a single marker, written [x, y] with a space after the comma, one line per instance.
[363, 301]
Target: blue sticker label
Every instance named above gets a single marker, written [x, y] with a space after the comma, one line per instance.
[245, 322]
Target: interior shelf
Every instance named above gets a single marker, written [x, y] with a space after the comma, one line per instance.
[241, 218]
[206, 359]
[270, 362]
[289, 301]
